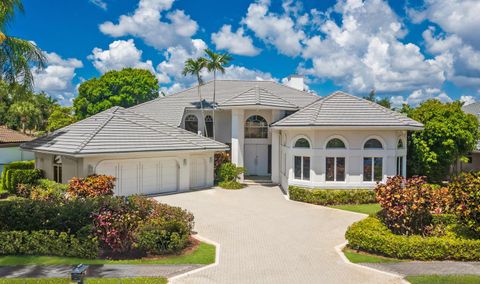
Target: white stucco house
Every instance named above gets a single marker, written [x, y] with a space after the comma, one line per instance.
[10, 151]
[278, 132]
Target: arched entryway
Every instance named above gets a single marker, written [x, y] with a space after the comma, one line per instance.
[257, 149]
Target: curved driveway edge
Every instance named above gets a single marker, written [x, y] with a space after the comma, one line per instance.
[267, 239]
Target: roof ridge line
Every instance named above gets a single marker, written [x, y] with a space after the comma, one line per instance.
[393, 113]
[163, 132]
[229, 99]
[279, 97]
[95, 132]
[321, 105]
[257, 95]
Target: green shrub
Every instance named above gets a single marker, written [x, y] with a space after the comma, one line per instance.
[229, 172]
[31, 215]
[18, 165]
[465, 190]
[331, 196]
[231, 185]
[47, 242]
[160, 237]
[46, 189]
[371, 235]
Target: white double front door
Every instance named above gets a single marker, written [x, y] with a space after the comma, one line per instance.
[256, 159]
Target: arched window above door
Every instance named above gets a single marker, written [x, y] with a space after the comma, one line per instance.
[191, 123]
[256, 127]
[373, 144]
[208, 126]
[400, 144]
[302, 143]
[335, 143]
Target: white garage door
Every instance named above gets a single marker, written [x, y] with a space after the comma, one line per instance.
[198, 176]
[142, 176]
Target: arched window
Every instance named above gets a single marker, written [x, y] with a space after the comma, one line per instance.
[373, 144]
[256, 127]
[336, 143]
[191, 123]
[302, 143]
[208, 126]
[400, 144]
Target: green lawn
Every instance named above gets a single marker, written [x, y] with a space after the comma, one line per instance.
[444, 279]
[369, 209]
[358, 257]
[146, 280]
[204, 254]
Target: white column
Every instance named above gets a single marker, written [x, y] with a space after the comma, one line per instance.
[238, 137]
[275, 156]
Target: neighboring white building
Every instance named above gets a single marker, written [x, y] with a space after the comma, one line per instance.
[278, 132]
[10, 151]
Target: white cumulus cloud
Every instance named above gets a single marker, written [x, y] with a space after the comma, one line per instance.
[235, 42]
[100, 4]
[155, 23]
[120, 54]
[56, 78]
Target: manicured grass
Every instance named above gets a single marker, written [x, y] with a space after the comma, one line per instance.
[444, 279]
[369, 209]
[359, 257]
[204, 254]
[147, 280]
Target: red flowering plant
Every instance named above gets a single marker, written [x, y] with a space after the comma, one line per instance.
[115, 223]
[406, 204]
[91, 186]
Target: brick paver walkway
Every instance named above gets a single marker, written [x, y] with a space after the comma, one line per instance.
[428, 267]
[267, 239]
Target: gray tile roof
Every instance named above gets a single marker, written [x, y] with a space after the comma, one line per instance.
[119, 130]
[344, 110]
[170, 109]
[472, 109]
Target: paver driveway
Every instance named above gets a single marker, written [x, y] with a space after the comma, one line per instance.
[265, 238]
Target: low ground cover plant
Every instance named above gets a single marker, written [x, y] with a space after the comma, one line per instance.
[332, 196]
[228, 174]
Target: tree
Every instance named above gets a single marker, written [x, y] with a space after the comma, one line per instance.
[372, 96]
[25, 113]
[126, 88]
[60, 117]
[195, 67]
[449, 135]
[216, 62]
[17, 56]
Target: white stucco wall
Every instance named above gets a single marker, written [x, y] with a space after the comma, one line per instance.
[354, 154]
[13, 153]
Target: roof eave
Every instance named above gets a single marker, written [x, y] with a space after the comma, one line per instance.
[349, 127]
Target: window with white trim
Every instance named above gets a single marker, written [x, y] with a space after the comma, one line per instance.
[400, 144]
[373, 144]
[335, 143]
[256, 127]
[302, 143]
[335, 168]
[372, 168]
[400, 166]
[302, 167]
[208, 126]
[191, 123]
[57, 168]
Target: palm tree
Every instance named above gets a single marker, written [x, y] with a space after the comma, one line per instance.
[17, 56]
[195, 67]
[216, 62]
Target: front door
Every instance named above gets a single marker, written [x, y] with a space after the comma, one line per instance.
[256, 159]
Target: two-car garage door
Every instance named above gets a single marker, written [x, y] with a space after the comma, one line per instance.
[142, 176]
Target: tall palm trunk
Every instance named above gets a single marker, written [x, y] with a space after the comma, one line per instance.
[214, 104]
[199, 92]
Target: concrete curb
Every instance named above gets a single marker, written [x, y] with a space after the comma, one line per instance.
[339, 250]
[217, 259]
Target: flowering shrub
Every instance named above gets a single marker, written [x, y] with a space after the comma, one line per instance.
[406, 204]
[114, 225]
[91, 186]
[465, 190]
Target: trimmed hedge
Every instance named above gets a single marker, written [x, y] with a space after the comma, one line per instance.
[332, 196]
[18, 165]
[47, 242]
[16, 177]
[32, 215]
[371, 235]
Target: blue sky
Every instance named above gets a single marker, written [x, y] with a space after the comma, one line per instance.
[408, 51]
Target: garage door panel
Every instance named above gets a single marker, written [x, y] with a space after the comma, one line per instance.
[198, 177]
[169, 175]
[150, 179]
